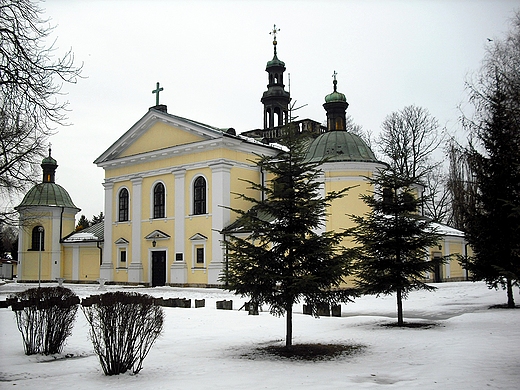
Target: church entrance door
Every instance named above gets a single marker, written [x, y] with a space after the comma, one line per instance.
[158, 268]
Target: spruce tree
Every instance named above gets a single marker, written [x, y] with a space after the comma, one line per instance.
[493, 224]
[83, 223]
[392, 240]
[281, 258]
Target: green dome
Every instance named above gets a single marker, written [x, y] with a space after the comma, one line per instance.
[47, 194]
[49, 161]
[275, 62]
[335, 97]
[337, 146]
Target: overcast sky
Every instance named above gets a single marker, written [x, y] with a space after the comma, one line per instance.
[210, 57]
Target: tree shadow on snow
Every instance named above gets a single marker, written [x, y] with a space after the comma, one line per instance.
[304, 352]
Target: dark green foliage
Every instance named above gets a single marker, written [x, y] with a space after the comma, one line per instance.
[83, 223]
[392, 255]
[123, 328]
[493, 224]
[97, 218]
[45, 317]
[277, 256]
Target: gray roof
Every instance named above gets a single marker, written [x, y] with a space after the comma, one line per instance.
[334, 146]
[90, 234]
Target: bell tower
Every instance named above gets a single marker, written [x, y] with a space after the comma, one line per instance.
[335, 105]
[276, 99]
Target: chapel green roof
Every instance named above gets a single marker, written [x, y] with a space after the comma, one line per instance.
[275, 62]
[335, 146]
[47, 194]
[335, 97]
[49, 160]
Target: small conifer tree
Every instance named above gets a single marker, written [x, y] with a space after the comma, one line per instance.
[284, 258]
[393, 239]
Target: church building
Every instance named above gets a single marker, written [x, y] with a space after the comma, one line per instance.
[169, 190]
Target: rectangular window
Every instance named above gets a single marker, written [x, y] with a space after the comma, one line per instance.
[122, 258]
[200, 256]
[178, 257]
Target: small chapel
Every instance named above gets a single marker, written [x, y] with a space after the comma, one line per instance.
[168, 191]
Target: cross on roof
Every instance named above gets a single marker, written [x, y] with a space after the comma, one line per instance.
[275, 30]
[156, 91]
[335, 82]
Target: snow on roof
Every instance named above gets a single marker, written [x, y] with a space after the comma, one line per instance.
[92, 233]
[446, 230]
[81, 237]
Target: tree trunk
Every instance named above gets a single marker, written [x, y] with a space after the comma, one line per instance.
[288, 337]
[400, 321]
[510, 297]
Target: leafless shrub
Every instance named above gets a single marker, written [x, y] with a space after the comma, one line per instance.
[123, 328]
[45, 318]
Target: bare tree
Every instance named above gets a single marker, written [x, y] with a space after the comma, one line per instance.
[31, 79]
[407, 141]
[460, 184]
[437, 198]
[354, 128]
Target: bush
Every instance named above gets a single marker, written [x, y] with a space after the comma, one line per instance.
[123, 328]
[45, 317]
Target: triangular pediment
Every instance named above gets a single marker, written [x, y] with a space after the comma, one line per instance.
[158, 131]
[121, 241]
[198, 237]
[157, 235]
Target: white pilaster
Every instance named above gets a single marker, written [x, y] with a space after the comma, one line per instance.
[56, 222]
[135, 269]
[179, 269]
[75, 263]
[220, 196]
[106, 270]
[447, 275]
[21, 245]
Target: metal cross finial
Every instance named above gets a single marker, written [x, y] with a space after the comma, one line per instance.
[156, 91]
[275, 30]
[50, 147]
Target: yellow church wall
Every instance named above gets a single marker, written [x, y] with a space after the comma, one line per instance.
[351, 203]
[203, 156]
[120, 276]
[68, 224]
[160, 136]
[240, 186]
[30, 265]
[455, 247]
[66, 264]
[89, 264]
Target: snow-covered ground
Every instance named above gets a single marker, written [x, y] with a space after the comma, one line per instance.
[471, 346]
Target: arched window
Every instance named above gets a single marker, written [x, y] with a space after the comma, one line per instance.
[158, 201]
[123, 205]
[199, 196]
[38, 236]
